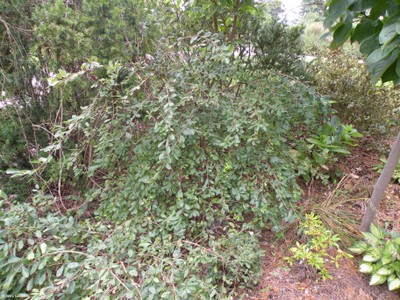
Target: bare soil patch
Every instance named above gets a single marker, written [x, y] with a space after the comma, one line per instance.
[281, 282]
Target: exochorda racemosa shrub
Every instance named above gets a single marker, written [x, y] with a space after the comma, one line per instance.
[181, 161]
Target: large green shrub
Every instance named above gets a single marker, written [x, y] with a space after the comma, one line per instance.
[197, 139]
[342, 76]
[179, 162]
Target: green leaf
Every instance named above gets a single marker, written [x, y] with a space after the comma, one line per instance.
[34, 267]
[391, 278]
[38, 234]
[378, 232]
[364, 30]
[166, 295]
[396, 241]
[60, 271]
[378, 62]
[386, 260]
[398, 67]
[62, 73]
[31, 255]
[370, 44]
[3, 195]
[25, 271]
[378, 9]
[319, 159]
[42, 263]
[371, 257]
[392, 7]
[341, 151]
[43, 248]
[9, 279]
[131, 253]
[394, 284]
[389, 31]
[396, 266]
[41, 279]
[361, 5]
[377, 279]
[390, 74]
[335, 10]
[370, 238]
[53, 81]
[57, 257]
[71, 287]
[385, 271]
[366, 267]
[390, 249]
[341, 34]
[20, 245]
[152, 290]
[73, 265]
[133, 272]
[19, 173]
[359, 247]
[14, 259]
[29, 286]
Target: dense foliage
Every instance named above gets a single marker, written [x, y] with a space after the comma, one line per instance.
[343, 76]
[278, 47]
[154, 154]
[375, 32]
[381, 256]
[181, 158]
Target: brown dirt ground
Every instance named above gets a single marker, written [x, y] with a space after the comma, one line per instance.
[281, 282]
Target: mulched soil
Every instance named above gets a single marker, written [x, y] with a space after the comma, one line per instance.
[281, 282]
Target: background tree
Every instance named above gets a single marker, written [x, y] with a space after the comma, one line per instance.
[313, 7]
[40, 37]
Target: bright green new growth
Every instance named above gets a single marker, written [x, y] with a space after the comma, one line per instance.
[321, 246]
[381, 256]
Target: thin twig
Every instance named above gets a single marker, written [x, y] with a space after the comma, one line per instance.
[119, 280]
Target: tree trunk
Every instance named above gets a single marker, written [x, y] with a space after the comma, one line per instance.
[215, 22]
[381, 185]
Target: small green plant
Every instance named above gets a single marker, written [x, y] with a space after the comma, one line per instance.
[332, 138]
[396, 175]
[381, 258]
[316, 251]
[236, 251]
